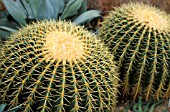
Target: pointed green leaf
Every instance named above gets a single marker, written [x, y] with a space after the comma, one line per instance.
[46, 10]
[135, 107]
[8, 29]
[147, 106]
[35, 4]
[16, 11]
[69, 2]
[56, 7]
[83, 7]
[6, 32]
[18, 2]
[2, 106]
[140, 104]
[66, 1]
[71, 8]
[87, 16]
[7, 23]
[4, 35]
[14, 109]
[62, 5]
[3, 14]
[155, 104]
[28, 9]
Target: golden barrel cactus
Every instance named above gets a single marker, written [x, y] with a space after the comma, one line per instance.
[139, 37]
[57, 66]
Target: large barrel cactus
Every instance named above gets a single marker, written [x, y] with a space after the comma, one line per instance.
[139, 37]
[57, 66]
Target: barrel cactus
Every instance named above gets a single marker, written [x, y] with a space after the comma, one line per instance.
[138, 35]
[57, 66]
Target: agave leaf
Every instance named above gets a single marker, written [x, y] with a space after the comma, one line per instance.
[28, 9]
[56, 7]
[35, 4]
[66, 1]
[3, 14]
[83, 7]
[46, 10]
[16, 10]
[69, 2]
[2, 106]
[155, 104]
[135, 107]
[143, 107]
[21, 5]
[7, 23]
[5, 32]
[62, 5]
[71, 8]
[147, 106]
[14, 109]
[87, 16]
[3, 36]
[8, 29]
[140, 104]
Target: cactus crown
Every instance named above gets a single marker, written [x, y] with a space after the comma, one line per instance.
[63, 46]
[148, 15]
[57, 66]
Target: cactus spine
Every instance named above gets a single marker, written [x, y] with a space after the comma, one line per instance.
[57, 66]
[139, 37]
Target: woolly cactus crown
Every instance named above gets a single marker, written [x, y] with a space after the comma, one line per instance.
[139, 37]
[57, 66]
[146, 15]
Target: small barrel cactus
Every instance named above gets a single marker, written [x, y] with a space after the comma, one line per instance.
[57, 66]
[138, 35]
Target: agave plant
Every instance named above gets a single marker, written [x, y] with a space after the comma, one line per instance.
[3, 106]
[141, 106]
[26, 11]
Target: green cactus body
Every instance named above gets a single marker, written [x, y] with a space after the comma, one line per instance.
[139, 37]
[57, 66]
